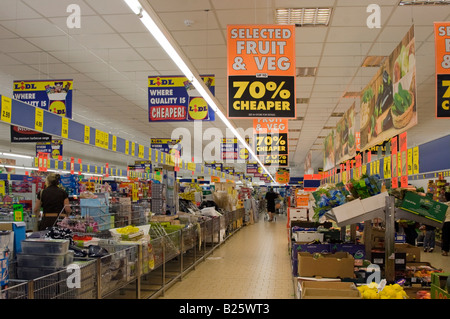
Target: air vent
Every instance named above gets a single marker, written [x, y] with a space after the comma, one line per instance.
[373, 61]
[306, 72]
[321, 136]
[302, 100]
[329, 127]
[302, 17]
[300, 118]
[337, 114]
[294, 130]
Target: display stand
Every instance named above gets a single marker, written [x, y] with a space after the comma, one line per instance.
[389, 213]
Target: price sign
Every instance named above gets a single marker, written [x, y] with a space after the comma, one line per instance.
[87, 133]
[141, 151]
[261, 71]
[442, 60]
[39, 120]
[64, 127]
[114, 143]
[133, 148]
[127, 148]
[274, 160]
[6, 109]
[267, 144]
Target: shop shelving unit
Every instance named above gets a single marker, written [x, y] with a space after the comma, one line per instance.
[121, 271]
[373, 208]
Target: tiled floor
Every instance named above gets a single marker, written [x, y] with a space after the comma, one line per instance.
[253, 264]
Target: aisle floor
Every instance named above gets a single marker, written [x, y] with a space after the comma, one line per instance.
[254, 263]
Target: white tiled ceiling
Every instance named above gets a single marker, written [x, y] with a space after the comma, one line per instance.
[112, 54]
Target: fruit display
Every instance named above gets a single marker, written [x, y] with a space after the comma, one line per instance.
[332, 195]
[372, 291]
[130, 233]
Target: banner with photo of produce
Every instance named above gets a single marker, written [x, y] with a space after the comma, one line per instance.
[329, 152]
[345, 137]
[388, 102]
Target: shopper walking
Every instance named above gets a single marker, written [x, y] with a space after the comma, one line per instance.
[446, 228]
[429, 238]
[53, 201]
[271, 196]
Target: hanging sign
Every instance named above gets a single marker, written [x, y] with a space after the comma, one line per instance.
[51, 95]
[261, 71]
[389, 102]
[442, 51]
[174, 98]
[271, 141]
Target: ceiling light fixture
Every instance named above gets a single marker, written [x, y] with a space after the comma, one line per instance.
[16, 155]
[306, 72]
[151, 21]
[303, 16]
[424, 2]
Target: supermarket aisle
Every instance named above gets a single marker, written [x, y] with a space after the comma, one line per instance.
[254, 263]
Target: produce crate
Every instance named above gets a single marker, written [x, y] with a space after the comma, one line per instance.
[440, 288]
[424, 206]
[45, 246]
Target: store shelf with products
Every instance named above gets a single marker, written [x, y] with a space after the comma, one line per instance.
[133, 262]
[360, 204]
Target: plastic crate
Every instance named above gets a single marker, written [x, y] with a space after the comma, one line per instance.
[45, 261]
[45, 247]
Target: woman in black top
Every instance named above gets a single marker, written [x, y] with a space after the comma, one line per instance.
[271, 196]
[53, 200]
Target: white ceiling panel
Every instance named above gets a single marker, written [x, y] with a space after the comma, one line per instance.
[52, 8]
[111, 56]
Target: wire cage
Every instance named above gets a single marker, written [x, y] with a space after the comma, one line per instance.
[87, 219]
[77, 281]
[118, 267]
[16, 289]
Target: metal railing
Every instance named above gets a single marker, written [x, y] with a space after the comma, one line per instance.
[148, 268]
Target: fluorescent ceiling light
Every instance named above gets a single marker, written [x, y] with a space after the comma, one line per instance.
[16, 155]
[195, 79]
[20, 167]
[303, 16]
[423, 2]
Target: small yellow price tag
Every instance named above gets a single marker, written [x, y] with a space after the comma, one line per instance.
[114, 143]
[87, 134]
[39, 120]
[6, 109]
[64, 127]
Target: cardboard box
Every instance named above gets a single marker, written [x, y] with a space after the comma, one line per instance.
[412, 252]
[439, 286]
[307, 236]
[424, 206]
[374, 202]
[348, 211]
[358, 251]
[319, 248]
[298, 213]
[300, 280]
[338, 265]
[378, 258]
[329, 290]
